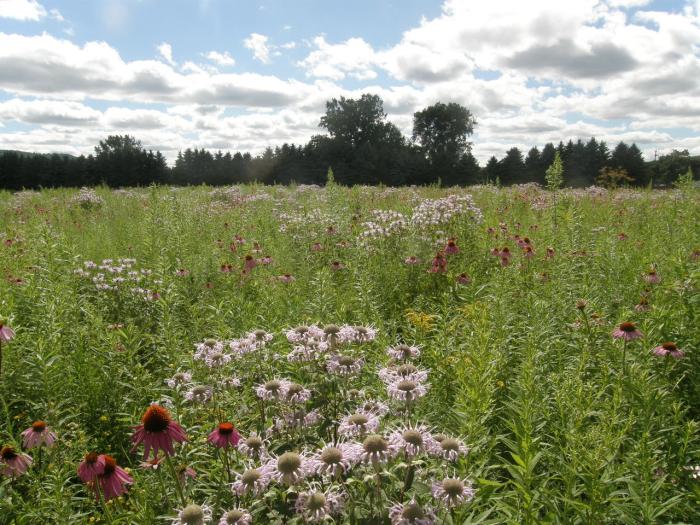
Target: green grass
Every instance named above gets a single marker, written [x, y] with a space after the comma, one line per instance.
[560, 430]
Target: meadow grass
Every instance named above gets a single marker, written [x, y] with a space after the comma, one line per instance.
[521, 362]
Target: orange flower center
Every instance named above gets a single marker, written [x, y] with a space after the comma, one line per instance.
[671, 347]
[628, 327]
[38, 426]
[8, 453]
[110, 464]
[91, 457]
[155, 419]
[226, 428]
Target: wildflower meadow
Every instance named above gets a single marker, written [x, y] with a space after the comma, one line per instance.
[362, 355]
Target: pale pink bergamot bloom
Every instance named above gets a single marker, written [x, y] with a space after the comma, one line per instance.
[237, 516]
[453, 492]
[193, 514]
[316, 506]
[411, 513]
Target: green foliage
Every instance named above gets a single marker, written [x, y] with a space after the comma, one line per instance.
[554, 175]
[531, 381]
[442, 131]
[613, 178]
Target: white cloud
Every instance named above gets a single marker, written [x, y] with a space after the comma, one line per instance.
[222, 59]
[46, 66]
[30, 10]
[530, 72]
[257, 43]
[166, 51]
[354, 57]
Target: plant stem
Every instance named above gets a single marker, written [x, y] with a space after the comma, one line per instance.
[178, 487]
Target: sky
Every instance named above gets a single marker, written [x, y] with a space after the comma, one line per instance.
[240, 75]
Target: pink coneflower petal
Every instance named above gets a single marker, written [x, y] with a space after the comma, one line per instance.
[668, 349]
[92, 466]
[13, 463]
[38, 434]
[6, 333]
[224, 435]
[627, 331]
[158, 432]
[114, 479]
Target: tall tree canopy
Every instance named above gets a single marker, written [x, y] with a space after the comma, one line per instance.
[441, 130]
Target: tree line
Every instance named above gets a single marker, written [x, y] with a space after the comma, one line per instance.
[361, 147]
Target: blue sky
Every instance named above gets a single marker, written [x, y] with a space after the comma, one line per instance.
[241, 75]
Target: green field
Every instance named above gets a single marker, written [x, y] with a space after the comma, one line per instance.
[564, 423]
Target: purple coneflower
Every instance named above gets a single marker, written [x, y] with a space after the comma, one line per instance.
[668, 348]
[316, 506]
[412, 260]
[6, 333]
[13, 463]
[91, 466]
[453, 492]
[158, 431]
[439, 264]
[236, 516]
[193, 514]
[286, 278]
[224, 435]
[652, 277]
[249, 263]
[451, 247]
[463, 278]
[627, 331]
[316, 247]
[38, 434]
[549, 252]
[113, 479]
[642, 305]
[411, 513]
[337, 265]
